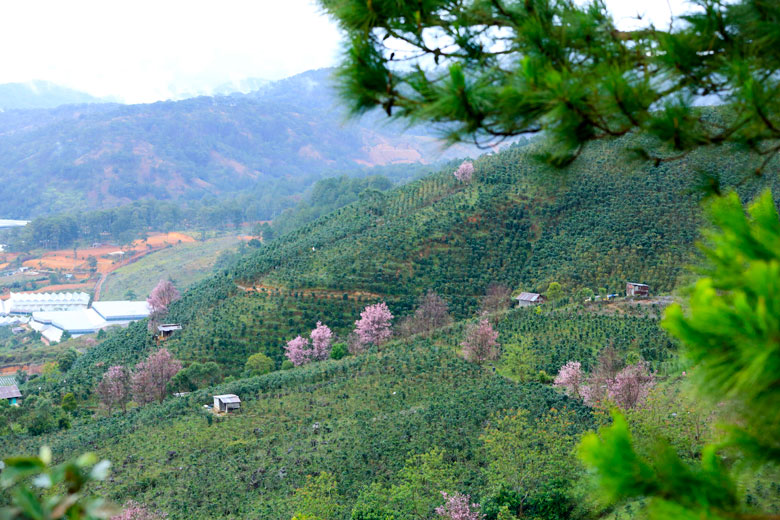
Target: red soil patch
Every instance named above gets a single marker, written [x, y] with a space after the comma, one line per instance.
[66, 260]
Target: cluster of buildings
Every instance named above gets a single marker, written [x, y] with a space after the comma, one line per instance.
[53, 314]
[633, 290]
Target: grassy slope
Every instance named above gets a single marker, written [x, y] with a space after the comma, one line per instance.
[186, 264]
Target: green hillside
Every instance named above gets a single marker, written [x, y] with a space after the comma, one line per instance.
[601, 222]
[372, 411]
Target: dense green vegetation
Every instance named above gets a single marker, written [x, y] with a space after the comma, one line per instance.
[371, 413]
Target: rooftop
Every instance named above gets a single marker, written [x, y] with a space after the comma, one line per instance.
[528, 297]
[81, 320]
[7, 380]
[122, 309]
[228, 398]
[9, 392]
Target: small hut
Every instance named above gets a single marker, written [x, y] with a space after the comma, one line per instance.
[226, 403]
[165, 330]
[9, 390]
[637, 289]
[528, 298]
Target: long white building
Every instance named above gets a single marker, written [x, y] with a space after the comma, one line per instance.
[52, 324]
[27, 303]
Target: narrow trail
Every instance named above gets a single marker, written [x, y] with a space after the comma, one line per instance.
[352, 295]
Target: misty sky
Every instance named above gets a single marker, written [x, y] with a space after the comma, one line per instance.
[147, 50]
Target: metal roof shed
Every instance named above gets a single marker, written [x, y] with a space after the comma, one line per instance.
[226, 403]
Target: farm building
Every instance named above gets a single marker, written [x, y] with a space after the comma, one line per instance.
[121, 312]
[527, 299]
[637, 289]
[27, 303]
[53, 324]
[9, 390]
[226, 403]
[165, 330]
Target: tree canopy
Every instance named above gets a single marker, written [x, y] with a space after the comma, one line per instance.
[490, 69]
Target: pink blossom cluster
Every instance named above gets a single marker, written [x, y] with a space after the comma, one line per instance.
[373, 327]
[151, 377]
[299, 351]
[114, 388]
[481, 343]
[570, 378]
[464, 172]
[628, 388]
[132, 510]
[458, 507]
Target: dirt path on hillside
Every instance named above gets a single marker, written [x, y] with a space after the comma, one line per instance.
[352, 295]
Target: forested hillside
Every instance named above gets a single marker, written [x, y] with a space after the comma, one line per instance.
[268, 145]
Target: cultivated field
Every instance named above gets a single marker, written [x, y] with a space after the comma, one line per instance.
[184, 263]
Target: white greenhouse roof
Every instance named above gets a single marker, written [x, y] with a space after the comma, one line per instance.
[78, 321]
[122, 310]
[59, 297]
[5, 223]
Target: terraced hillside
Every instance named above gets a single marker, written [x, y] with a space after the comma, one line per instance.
[603, 221]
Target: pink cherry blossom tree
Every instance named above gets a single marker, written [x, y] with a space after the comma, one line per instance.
[631, 385]
[162, 296]
[571, 378]
[151, 377]
[114, 388]
[298, 351]
[464, 172]
[321, 340]
[481, 343]
[373, 327]
[458, 507]
[132, 510]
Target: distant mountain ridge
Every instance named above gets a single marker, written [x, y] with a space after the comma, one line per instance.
[272, 143]
[41, 94]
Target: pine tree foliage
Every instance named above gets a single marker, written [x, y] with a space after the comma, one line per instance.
[497, 68]
[730, 335]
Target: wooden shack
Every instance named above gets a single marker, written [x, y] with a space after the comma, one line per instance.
[9, 390]
[637, 289]
[226, 403]
[165, 330]
[527, 298]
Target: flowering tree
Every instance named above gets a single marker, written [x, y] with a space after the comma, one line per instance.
[458, 507]
[162, 296]
[298, 351]
[480, 344]
[570, 377]
[114, 389]
[631, 385]
[159, 299]
[373, 327]
[132, 510]
[464, 172]
[151, 377]
[321, 341]
[432, 314]
[596, 388]
[497, 298]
